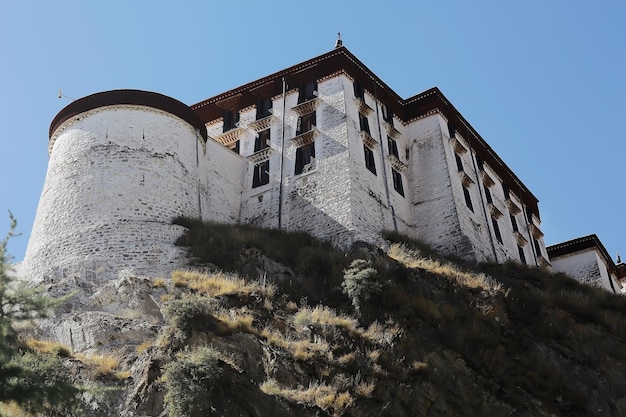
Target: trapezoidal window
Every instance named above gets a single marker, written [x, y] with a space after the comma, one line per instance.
[307, 91]
[263, 107]
[261, 175]
[231, 118]
[358, 90]
[262, 141]
[496, 229]
[364, 123]
[468, 199]
[305, 123]
[369, 159]
[305, 158]
[397, 182]
[387, 114]
[393, 147]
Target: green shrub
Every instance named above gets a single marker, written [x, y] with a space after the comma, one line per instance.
[189, 382]
[359, 282]
[191, 313]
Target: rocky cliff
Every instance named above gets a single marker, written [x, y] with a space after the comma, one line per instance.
[265, 323]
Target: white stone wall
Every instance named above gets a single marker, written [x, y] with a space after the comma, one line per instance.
[433, 204]
[586, 266]
[116, 178]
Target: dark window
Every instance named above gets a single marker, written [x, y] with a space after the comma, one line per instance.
[514, 223]
[393, 147]
[358, 90]
[263, 107]
[480, 163]
[231, 118]
[387, 114]
[407, 153]
[529, 214]
[451, 129]
[369, 159]
[487, 194]
[235, 147]
[304, 158]
[468, 199]
[496, 229]
[364, 123]
[262, 141]
[261, 174]
[397, 182]
[522, 256]
[537, 247]
[307, 91]
[505, 190]
[305, 123]
[459, 162]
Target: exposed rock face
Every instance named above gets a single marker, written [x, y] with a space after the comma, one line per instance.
[432, 342]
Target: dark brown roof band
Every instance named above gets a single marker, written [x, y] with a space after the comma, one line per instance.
[132, 97]
[578, 244]
[406, 109]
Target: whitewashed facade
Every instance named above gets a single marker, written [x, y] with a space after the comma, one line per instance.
[324, 147]
[586, 260]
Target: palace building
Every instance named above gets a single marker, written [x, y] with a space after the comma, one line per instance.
[324, 146]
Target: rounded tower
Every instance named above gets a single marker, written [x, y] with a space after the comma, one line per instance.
[122, 165]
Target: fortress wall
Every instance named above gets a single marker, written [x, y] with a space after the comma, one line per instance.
[433, 204]
[116, 178]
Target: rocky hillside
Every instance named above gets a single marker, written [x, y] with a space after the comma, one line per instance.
[265, 323]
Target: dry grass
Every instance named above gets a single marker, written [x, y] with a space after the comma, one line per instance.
[299, 349]
[159, 283]
[322, 395]
[219, 284]
[144, 346]
[46, 346]
[412, 259]
[364, 389]
[234, 320]
[383, 335]
[102, 365]
[11, 409]
[324, 316]
[346, 359]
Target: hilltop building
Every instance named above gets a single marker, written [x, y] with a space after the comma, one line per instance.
[324, 146]
[587, 260]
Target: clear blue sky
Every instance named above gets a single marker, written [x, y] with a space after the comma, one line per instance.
[542, 81]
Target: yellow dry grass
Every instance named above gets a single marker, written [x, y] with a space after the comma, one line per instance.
[219, 283]
[11, 409]
[47, 346]
[100, 364]
[322, 395]
[412, 259]
[323, 316]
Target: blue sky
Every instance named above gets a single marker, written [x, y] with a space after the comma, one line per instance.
[541, 81]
